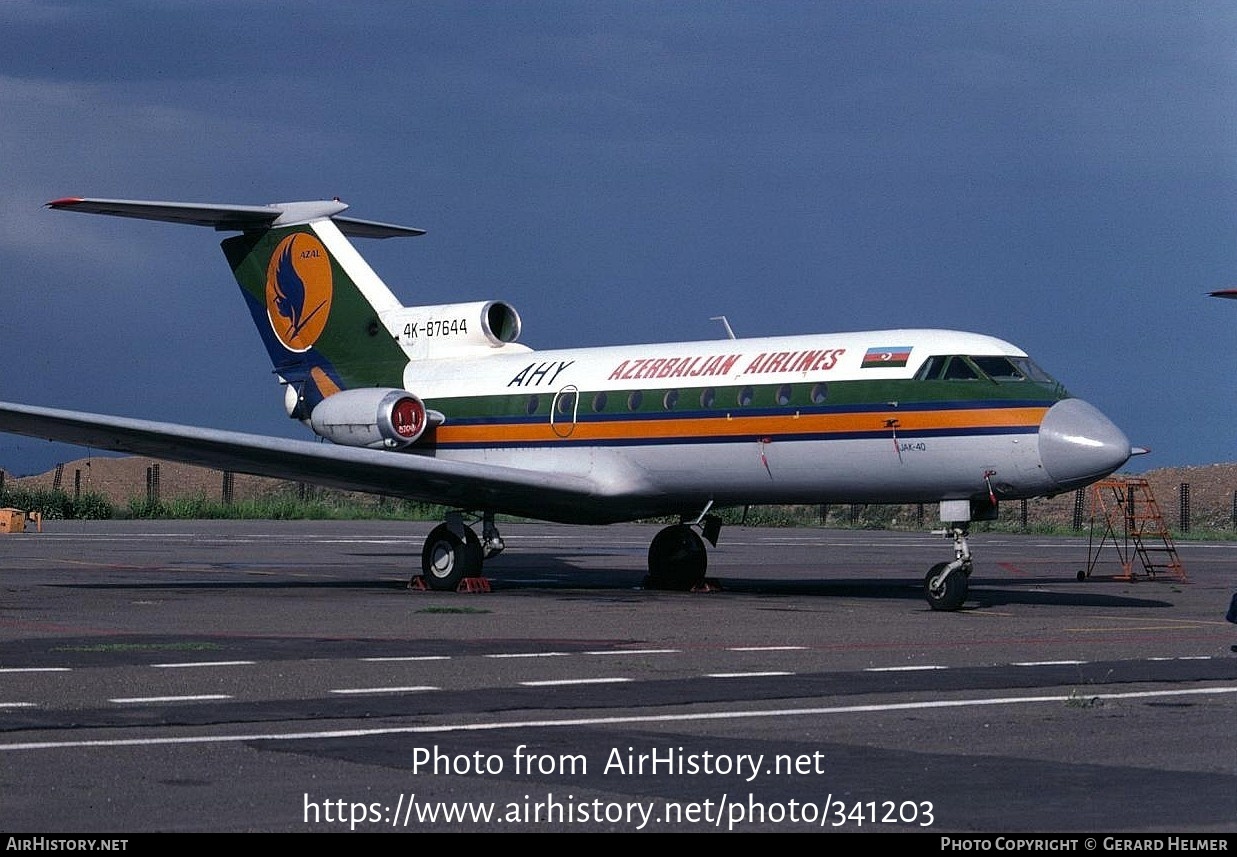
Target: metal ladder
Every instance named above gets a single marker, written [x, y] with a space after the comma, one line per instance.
[1127, 506]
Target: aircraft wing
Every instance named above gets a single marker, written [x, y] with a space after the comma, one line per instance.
[545, 496]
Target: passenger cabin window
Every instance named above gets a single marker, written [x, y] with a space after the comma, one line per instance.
[599, 402]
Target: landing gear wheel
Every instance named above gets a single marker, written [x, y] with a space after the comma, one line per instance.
[948, 594]
[677, 559]
[447, 559]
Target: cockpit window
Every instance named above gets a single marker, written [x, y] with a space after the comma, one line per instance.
[931, 369]
[946, 368]
[998, 368]
[959, 370]
[1028, 368]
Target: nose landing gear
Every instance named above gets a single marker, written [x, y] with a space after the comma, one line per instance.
[946, 585]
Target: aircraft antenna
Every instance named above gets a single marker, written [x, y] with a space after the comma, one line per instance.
[725, 324]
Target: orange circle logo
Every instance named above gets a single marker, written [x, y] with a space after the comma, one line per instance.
[298, 291]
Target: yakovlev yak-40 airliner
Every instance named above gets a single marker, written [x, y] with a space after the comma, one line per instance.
[443, 404]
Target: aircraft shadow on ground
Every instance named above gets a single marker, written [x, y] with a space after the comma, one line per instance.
[982, 593]
[528, 573]
[556, 573]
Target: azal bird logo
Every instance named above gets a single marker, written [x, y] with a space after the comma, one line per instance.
[298, 291]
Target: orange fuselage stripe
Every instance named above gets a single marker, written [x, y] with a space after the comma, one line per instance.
[730, 425]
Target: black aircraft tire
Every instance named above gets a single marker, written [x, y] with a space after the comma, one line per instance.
[951, 594]
[447, 559]
[677, 559]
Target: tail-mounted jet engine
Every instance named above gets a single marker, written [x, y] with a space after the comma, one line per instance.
[455, 330]
[380, 418]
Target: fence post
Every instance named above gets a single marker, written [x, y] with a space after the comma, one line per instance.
[1185, 507]
[58, 478]
[228, 486]
[1079, 498]
[77, 483]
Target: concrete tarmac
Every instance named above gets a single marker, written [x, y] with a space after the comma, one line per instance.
[279, 676]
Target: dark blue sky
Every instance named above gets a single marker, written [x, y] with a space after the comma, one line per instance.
[1062, 175]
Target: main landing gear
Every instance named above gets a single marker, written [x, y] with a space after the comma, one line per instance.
[946, 584]
[453, 551]
[677, 556]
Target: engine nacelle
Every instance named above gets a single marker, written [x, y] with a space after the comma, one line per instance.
[376, 418]
[448, 330]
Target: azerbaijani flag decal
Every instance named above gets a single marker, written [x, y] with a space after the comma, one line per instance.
[885, 358]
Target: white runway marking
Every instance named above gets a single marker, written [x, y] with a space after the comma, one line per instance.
[204, 664]
[35, 670]
[199, 698]
[748, 675]
[414, 689]
[566, 681]
[904, 669]
[603, 721]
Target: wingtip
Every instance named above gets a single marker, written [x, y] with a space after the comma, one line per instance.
[65, 202]
[1139, 450]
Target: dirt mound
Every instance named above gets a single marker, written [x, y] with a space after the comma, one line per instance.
[123, 479]
[1210, 498]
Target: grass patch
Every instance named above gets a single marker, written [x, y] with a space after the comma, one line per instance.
[54, 505]
[328, 506]
[1082, 700]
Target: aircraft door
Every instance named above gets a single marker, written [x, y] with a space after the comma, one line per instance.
[563, 410]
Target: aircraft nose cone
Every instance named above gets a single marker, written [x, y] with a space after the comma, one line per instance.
[1078, 444]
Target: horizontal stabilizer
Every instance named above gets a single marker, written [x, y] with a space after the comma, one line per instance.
[236, 218]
